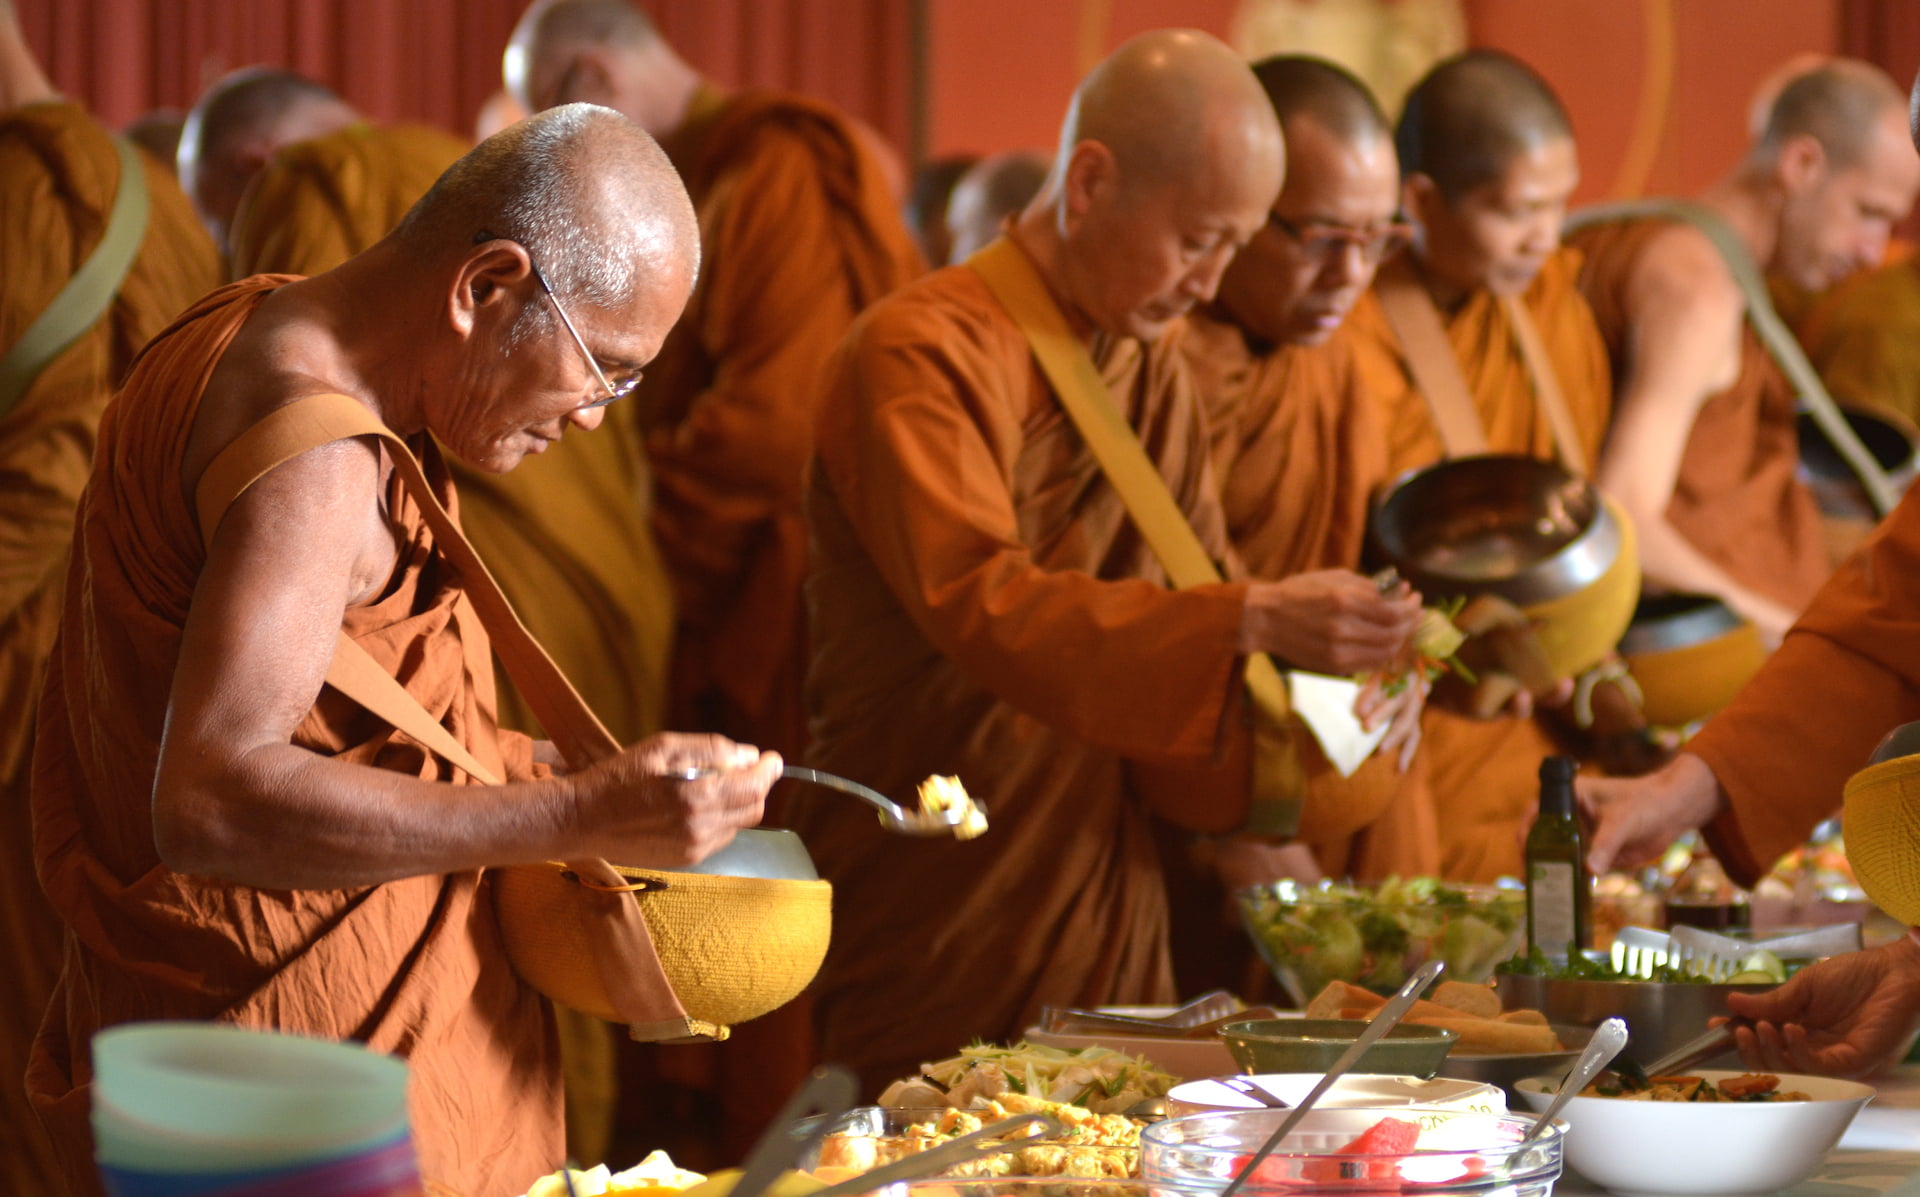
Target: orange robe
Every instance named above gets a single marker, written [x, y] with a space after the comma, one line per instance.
[1737, 498]
[1295, 443]
[58, 177]
[413, 967]
[983, 606]
[799, 231]
[1846, 675]
[1484, 773]
[319, 202]
[1864, 338]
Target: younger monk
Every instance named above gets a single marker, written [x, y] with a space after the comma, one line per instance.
[799, 231]
[1293, 436]
[226, 841]
[1703, 447]
[1488, 160]
[984, 605]
[60, 176]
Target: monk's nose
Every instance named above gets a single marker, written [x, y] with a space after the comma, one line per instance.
[587, 418]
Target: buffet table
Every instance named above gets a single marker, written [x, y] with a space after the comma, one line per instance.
[1879, 1154]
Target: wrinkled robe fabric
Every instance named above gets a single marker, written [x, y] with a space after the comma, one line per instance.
[319, 202]
[1294, 442]
[799, 231]
[1484, 773]
[982, 606]
[58, 178]
[1864, 338]
[1737, 498]
[1846, 675]
[413, 967]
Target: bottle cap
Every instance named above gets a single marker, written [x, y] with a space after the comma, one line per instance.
[1558, 770]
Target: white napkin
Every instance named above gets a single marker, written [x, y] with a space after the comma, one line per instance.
[1325, 704]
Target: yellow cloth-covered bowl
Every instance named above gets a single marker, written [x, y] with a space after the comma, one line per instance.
[1576, 631]
[1690, 655]
[733, 948]
[1881, 825]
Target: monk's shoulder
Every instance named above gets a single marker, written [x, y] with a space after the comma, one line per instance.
[1678, 267]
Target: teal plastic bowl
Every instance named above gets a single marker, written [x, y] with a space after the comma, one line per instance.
[1264, 1045]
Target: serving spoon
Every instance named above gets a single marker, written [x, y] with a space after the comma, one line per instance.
[893, 816]
[1608, 1038]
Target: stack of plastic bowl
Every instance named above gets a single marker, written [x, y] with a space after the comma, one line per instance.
[181, 1109]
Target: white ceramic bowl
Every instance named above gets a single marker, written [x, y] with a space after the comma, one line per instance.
[1378, 1092]
[1723, 1148]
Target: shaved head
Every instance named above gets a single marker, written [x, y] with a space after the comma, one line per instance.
[1472, 116]
[591, 197]
[990, 191]
[554, 29]
[1301, 86]
[1839, 103]
[601, 51]
[239, 123]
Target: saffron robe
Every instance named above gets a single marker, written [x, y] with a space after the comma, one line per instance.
[413, 967]
[59, 175]
[1861, 336]
[1737, 498]
[983, 606]
[319, 202]
[1294, 442]
[799, 231]
[1484, 773]
[1846, 674]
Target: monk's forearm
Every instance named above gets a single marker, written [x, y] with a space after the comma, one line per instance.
[1671, 563]
[281, 817]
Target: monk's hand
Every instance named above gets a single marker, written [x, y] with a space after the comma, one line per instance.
[642, 809]
[1634, 819]
[1331, 621]
[1397, 702]
[1844, 1016]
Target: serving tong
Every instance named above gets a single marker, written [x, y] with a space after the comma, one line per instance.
[893, 816]
[1638, 951]
[1200, 1018]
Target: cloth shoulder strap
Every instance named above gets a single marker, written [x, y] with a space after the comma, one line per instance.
[1436, 371]
[91, 289]
[1279, 783]
[1546, 384]
[1779, 340]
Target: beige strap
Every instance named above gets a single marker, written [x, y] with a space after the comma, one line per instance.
[91, 289]
[1780, 342]
[1547, 394]
[358, 676]
[1436, 371]
[1279, 785]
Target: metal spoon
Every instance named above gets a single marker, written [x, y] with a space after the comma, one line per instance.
[1608, 1038]
[892, 816]
[1383, 1020]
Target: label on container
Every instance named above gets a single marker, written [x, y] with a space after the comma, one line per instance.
[1550, 906]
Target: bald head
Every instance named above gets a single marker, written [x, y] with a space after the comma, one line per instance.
[991, 190]
[240, 123]
[1472, 116]
[1841, 103]
[604, 52]
[591, 197]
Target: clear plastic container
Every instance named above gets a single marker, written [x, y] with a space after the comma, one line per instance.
[1466, 1153]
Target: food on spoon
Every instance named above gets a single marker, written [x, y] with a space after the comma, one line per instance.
[1098, 1078]
[651, 1177]
[940, 795]
[1747, 1087]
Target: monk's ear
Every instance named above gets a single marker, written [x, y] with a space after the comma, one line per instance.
[1800, 165]
[1091, 178]
[493, 283]
[1421, 200]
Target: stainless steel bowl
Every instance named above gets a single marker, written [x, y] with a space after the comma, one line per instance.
[1892, 441]
[1661, 1015]
[765, 852]
[1515, 526]
[1509, 1069]
[1668, 621]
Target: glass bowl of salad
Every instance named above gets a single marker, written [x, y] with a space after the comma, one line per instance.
[1374, 936]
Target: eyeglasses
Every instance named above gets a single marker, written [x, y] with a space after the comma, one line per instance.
[614, 390]
[1326, 239]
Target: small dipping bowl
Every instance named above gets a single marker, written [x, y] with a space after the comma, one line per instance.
[1264, 1045]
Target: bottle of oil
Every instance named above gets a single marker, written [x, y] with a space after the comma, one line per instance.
[1558, 888]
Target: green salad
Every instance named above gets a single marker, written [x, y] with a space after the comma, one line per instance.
[1313, 935]
[1759, 968]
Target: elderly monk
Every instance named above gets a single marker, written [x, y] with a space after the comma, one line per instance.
[1703, 447]
[60, 175]
[800, 231]
[991, 190]
[198, 799]
[984, 605]
[288, 175]
[1294, 439]
[1488, 161]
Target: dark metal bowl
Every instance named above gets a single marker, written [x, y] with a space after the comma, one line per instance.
[1519, 527]
[1661, 1015]
[1892, 441]
[1668, 621]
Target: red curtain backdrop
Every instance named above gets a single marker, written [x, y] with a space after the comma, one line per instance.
[438, 60]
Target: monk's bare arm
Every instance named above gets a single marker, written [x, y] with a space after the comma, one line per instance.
[1683, 347]
[236, 800]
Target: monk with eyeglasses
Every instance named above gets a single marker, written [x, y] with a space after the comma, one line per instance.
[229, 839]
[1488, 164]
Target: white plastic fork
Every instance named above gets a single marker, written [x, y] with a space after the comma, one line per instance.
[1637, 951]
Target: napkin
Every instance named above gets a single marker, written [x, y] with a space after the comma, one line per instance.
[1325, 705]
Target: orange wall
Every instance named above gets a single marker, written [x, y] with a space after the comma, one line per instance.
[1002, 70]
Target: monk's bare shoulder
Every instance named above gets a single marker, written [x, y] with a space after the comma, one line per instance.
[1686, 311]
